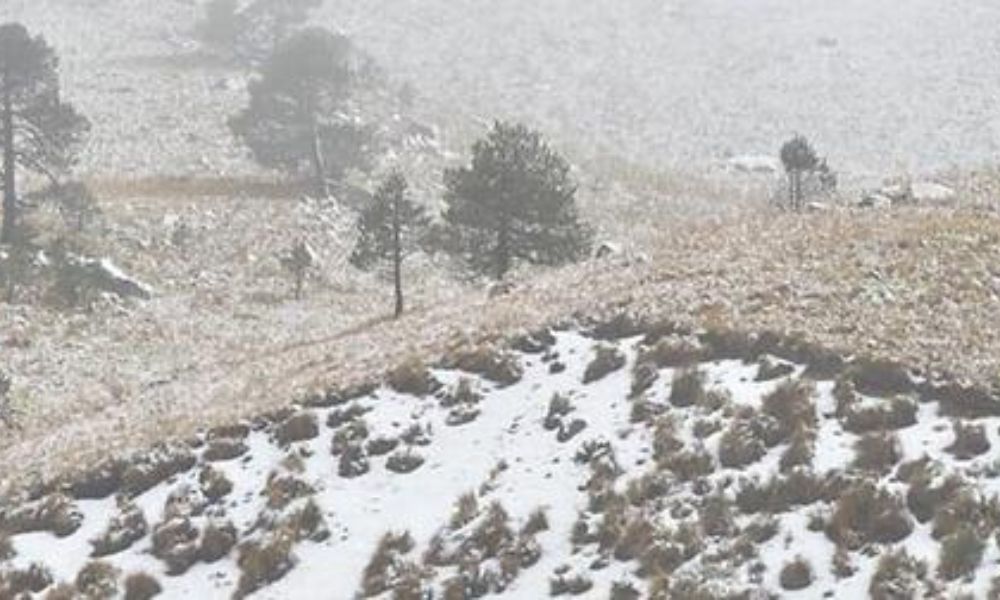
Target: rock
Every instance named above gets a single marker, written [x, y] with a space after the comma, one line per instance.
[106, 276]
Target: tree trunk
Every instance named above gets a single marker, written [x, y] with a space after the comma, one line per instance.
[318, 161]
[9, 230]
[502, 252]
[397, 257]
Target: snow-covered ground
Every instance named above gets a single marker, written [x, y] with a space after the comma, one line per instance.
[506, 445]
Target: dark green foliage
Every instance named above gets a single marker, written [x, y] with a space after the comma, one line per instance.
[516, 201]
[39, 132]
[389, 229]
[800, 161]
[300, 114]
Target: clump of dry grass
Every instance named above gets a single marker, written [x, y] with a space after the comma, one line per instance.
[800, 451]
[262, 562]
[489, 362]
[866, 514]
[98, 580]
[387, 563]
[607, 360]
[880, 377]
[31, 579]
[283, 487]
[56, 513]
[688, 388]
[414, 378]
[340, 416]
[217, 539]
[877, 453]
[961, 553]
[381, 446]
[351, 433]
[898, 575]
[125, 528]
[672, 352]
[559, 407]
[214, 484]
[297, 428]
[404, 461]
[970, 441]
[224, 449]
[175, 542]
[796, 575]
[740, 445]
[566, 583]
[466, 509]
[353, 461]
[791, 405]
[141, 586]
[152, 468]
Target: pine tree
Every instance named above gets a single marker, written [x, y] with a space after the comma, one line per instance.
[300, 112]
[389, 229]
[38, 131]
[798, 158]
[251, 32]
[516, 201]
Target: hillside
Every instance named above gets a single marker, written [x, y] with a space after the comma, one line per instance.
[611, 462]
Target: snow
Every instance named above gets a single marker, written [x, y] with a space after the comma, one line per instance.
[540, 473]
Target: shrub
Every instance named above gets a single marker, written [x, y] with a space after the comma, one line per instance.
[55, 513]
[689, 464]
[353, 462]
[386, 563]
[644, 375]
[607, 359]
[344, 415]
[770, 368]
[688, 388]
[569, 585]
[125, 528]
[799, 452]
[154, 467]
[216, 541]
[739, 446]
[650, 486]
[970, 441]
[33, 578]
[896, 413]
[865, 514]
[898, 575]
[877, 452]
[282, 488]
[297, 428]
[350, 434]
[404, 461]
[464, 393]
[624, 590]
[98, 580]
[466, 509]
[536, 523]
[672, 352]
[492, 533]
[559, 407]
[634, 538]
[495, 365]
[381, 446]
[413, 378]
[961, 553]
[796, 575]
[175, 542]
[214, 483]
[141, 586]
[715, 516]
[263, 562]
[791, 405]
[224, 449]
[965, 508]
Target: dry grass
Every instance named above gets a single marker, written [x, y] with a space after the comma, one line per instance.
[219, 375]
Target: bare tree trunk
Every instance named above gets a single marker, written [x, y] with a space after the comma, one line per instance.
[502, 252]
[7, 234]
[397, 256]
[318, 160]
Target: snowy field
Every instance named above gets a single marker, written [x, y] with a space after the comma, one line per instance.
[642, 478]
[883, 87]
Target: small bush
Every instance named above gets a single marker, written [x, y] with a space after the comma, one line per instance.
[98, 580]
[347, 414]
[688, 388]
[961, 553]
[155, 467]
[297, 428]
[263, 562]
[125, 528]
[874, 377]
[386, 563]
[559, 407]
[55, 513]
[897, 413]
[716, 516]
[970, 441]
[791, 405]
[224, 449]
[898, 575]
[770, 368]
[466, 509]
[463, 394]
[796, 575]
[800, 451]
[687, 465]
[353, 462]
[877, 452]
[381, 446]
[536, 523]
[495, 365]
[672, 352]
[865, 514]
[570, 585]
[607, 360]
[214, 484]
[404, 461]
[216, 541]
[492, 533]
[33, 578]
[175, 542]
[739, 446]
[141, 586]
[413, 378]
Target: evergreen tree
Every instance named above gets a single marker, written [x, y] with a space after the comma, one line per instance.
[516, 201]
[389, 229]
[251, 32]
[799, 159]
[38, 131]
[299, 116]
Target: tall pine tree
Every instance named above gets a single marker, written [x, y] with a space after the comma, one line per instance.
[38, 131]
[300, 112]
[516, 201]
[389, 229]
